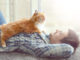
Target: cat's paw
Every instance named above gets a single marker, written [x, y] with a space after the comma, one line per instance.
[3, 45]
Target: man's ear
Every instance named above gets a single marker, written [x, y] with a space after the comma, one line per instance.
[57, 30]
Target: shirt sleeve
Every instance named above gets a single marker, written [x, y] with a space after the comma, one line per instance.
[2, 19]
[55, 50]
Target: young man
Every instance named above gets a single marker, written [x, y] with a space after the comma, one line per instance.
[34, 45]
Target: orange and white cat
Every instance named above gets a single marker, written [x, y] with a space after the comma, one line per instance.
[24, 25]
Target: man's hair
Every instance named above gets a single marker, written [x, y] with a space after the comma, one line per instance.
[71, 39]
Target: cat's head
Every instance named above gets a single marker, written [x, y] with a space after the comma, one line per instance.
[38, 17]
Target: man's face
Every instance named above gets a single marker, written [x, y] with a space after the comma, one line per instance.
[58, 35]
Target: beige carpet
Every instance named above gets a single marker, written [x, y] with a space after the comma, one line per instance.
[19, 56]
[76, 56]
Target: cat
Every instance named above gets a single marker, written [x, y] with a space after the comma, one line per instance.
[24, 25]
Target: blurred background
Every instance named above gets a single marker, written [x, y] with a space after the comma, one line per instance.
[59, 13]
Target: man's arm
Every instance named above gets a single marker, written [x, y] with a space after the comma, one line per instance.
[2, 19]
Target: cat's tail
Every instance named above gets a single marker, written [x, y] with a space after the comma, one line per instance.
[0, 27]
[0, 36]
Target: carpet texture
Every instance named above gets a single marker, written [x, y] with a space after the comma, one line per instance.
[21, 56]
[76, 56]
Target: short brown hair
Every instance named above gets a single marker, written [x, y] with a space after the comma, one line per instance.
[71, 39]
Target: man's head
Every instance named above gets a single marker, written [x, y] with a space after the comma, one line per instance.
[69, 37]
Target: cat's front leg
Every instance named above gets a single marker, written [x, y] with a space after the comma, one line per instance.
[3, 43]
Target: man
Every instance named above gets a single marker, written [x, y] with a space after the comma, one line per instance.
[34, 45]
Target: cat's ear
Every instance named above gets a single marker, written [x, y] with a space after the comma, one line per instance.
[36, 12]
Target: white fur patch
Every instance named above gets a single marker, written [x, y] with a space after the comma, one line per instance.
[40, 27]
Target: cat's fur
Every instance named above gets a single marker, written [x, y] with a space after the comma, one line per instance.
[23, 25]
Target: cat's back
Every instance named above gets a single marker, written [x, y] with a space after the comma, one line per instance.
[13, 25]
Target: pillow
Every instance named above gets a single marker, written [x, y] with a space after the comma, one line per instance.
[2, 19]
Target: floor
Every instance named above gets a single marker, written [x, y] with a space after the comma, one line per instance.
[19, 56]
[76, 56]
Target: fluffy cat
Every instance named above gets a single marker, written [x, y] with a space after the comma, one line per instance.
[23, 25]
